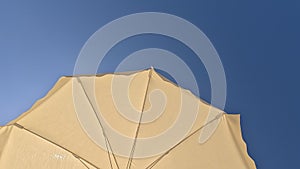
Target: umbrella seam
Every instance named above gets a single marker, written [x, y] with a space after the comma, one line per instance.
[151, 165]
[107, 143]
[83, 163]
[36, 134]
[128, 166]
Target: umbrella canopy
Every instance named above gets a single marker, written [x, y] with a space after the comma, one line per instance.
[126, 120]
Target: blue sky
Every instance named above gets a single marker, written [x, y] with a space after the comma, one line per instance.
[258, 44]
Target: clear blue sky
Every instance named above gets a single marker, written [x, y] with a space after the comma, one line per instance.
[258, 43]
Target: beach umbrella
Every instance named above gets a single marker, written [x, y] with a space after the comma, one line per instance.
[130, 120]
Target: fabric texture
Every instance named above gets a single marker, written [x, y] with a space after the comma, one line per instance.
[51, 133]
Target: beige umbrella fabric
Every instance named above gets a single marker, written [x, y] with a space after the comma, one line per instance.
[62, 131]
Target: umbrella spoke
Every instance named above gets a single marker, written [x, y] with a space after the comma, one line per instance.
[183, 140]
[107, 143]
[139, 124]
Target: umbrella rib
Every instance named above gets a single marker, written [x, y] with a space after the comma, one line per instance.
[183, 140]
[107, 143]
[83, 164]
[139, 124]
[32, 132]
